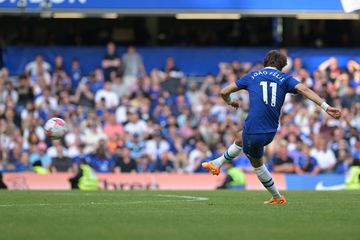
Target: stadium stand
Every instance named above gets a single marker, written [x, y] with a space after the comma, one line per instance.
[124, 118]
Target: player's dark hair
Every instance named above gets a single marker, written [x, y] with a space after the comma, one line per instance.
[275, 59]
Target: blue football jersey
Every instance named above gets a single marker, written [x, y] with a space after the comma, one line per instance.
[267, 89]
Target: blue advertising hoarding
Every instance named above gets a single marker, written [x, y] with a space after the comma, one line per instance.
[315, 182]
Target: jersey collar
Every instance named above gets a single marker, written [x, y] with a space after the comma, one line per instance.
[271, 68]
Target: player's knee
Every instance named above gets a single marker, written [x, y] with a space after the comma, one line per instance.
[256, 162]
[238, 139]
[238, 142]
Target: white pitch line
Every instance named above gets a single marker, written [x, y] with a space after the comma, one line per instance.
[177, 198]
[25, 205]
[187, 198]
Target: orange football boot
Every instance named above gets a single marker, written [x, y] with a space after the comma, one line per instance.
[273, 200]
[215, 170]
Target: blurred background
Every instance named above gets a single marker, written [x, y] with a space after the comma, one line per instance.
[138, 84]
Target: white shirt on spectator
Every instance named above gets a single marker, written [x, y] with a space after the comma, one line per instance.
[40, 132]
[39, 101]
[121, 114]
[325, 159]
[5, 141]
[138, 127]
[53, 153]
[4, 94]
[25, 113]
[32, 67]
[70, 138]
[92, 138]
[111, 99]
[154, 149]
[218, 111]
[73, 151]
[194, 156]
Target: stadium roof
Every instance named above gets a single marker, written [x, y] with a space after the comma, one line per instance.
[323, 9]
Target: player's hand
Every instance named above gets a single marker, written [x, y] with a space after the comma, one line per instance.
[334, 112]
[234, 103]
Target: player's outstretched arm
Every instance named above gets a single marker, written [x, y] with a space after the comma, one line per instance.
[225, 94]
[310, 94]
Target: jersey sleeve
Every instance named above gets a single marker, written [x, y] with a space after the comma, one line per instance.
[243, 82]
[291, 84]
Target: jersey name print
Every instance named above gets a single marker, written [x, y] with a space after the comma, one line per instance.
[267, 90]
[264, 72]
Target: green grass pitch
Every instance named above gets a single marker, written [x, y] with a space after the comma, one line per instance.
[177, 215]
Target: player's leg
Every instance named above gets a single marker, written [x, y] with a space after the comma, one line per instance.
[232, 152]
[254, 149]
[267, 181]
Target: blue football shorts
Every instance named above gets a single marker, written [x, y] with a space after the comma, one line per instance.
[253, 144]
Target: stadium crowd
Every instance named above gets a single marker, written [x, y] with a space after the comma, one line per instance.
[123, 119]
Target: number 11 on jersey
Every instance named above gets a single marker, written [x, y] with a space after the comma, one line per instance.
[273, 86]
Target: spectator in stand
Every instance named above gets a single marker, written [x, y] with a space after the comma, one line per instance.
[14, 155]
[297, 66]
[133, 63]
[84, 97]
[289, 64]
[60, 81]
[23, 165]
[93, 137]
[136, 125]
[306, 163]
[111, 127]
[111, 99]
[136, 146]
[59, 64]
[166, 163]
[331, 68]
[144, 164]
[115, 141]
[4, 75]
[111, 61]
[25, 92]
[353, 67]
[32, 68]
[100, 159]
[197, 156]
[52, 151]
[349, 100]
[67, 107]
[95, 81]
[339, 143]
[117, 85]
[171, 76]
[282, 162]
[355, 81]
[76, 74]
[7, 91]
[356, 149]
[341, 84]
[155, 147]
[73, 140]
[13, 120]
[123, 161]
[80, 156]
[323, 154]
[41, 78]
[61, 163]
[343, 162]
[195, 96]
[46, 97]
